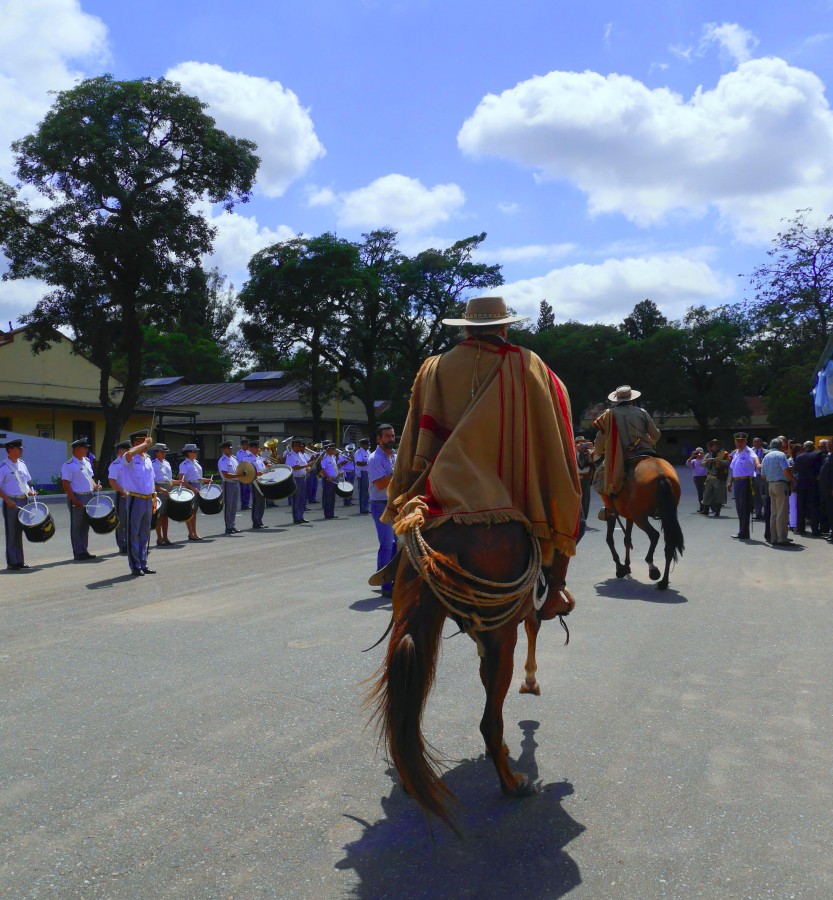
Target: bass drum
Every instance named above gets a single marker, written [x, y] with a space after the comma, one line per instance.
[37, 522]
[344, 489]
[180, 504]
[277, 483]
[101, 514]
[210, 499]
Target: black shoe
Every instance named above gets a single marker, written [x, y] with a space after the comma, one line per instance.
[146, 571]
[136, 573]
[255, 527]
[16, 567]
[122, 552]
[84, 556]
[740, 537]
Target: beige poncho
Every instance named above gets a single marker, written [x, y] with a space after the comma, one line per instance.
[489, 439]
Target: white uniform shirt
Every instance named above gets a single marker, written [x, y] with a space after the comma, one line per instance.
[116, 470]
[137, 474]
[258, 463]
[743, 463]
[329, 466]
[190, 469]
[297, 459]
[14, 478]
[227, 465]
[346, 463]
[244, 456]
[79, 474]
[162, 470]
[361, 457]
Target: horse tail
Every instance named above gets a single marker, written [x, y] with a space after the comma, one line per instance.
[397, 698]
[667, 507]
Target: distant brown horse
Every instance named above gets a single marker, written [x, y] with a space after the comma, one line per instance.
[497, 553]
[651, 488]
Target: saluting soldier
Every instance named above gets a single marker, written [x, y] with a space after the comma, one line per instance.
[78, 485]
[139, 482]
[258, 500]
[743, 468]
[114, 476]
[15, 487]
[361, 458]
[227, 467]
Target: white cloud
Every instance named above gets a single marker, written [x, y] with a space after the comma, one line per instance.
[755, 148]
[238, 238]
[736, 43]
[608, 292]
[509, 209]
[403, 203]
[262, 111]
[321, 197]
[527, 253]
[41, 42]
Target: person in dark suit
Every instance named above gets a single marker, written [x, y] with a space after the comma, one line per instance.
[806, 471]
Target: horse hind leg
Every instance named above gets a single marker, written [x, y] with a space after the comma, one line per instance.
[496, 672]
[628, 544]
[653, 537]
[532, 625]
[621, 570]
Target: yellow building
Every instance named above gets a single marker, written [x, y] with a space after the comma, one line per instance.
[54, 394]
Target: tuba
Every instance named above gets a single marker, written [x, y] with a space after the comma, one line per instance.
[272, 446]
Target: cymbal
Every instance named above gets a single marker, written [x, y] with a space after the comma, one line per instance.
[247, 472]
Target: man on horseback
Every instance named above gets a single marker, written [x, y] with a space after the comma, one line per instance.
[485, 501]
[625, 431]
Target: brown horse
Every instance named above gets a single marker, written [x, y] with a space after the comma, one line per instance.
[499, 553]
[651, 488]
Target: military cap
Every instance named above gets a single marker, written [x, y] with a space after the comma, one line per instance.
[741, 435]
[16, 443]
[139, 435]
[254, 442]
[364, 440]
[190, 448]
[122, 445]
[244, 440]
[226, 444]
[81, 442]
[296, 440]
[159, 448]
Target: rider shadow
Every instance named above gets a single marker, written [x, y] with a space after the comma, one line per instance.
[508, 847]
[371, 604]
[631, 589]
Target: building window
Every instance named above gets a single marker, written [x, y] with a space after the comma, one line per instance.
[82, 429]
[5, 423]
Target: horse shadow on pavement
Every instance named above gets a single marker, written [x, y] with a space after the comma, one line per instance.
[633, 589]
[508, 847]
[371, 604]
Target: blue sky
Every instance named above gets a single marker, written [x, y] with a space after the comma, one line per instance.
[611, 151]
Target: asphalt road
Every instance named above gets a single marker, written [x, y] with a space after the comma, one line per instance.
[199, 733]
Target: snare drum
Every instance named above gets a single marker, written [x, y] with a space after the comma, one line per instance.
[37, 522]
[344, 489]
[101, 514]
[210, 499]
[180, 504]
[277, 483]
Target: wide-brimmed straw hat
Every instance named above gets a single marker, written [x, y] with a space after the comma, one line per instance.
[485, 311]
[624, 393]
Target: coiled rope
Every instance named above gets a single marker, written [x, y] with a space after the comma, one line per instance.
[461, 592]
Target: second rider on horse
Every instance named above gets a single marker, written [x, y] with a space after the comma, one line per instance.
[625, 431]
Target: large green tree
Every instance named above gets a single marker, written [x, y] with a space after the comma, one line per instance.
[119, 166]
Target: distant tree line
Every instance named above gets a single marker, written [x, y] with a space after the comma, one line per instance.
[119, 166]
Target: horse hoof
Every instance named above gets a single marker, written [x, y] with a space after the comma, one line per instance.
[662, 585]
[527, 688]
[524, 787]
[654, 573]
[621, 571]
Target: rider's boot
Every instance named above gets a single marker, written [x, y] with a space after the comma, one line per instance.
[608, 511]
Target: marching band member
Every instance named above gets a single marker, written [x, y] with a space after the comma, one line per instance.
[347, 466]
[329, 477]
[138, 480]
[114, 476]
[380, 471]
[312, 477]
[227, 467]
[190, 472]
[244, 454]
[258, 500]
[78, 485]
[299, 462]
[163, 477]
[15, 487]
[360, 459]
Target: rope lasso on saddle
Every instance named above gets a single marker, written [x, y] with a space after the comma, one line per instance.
[462, 592]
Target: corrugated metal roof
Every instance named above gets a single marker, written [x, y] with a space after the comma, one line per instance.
[163, 382]
[229, 392]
